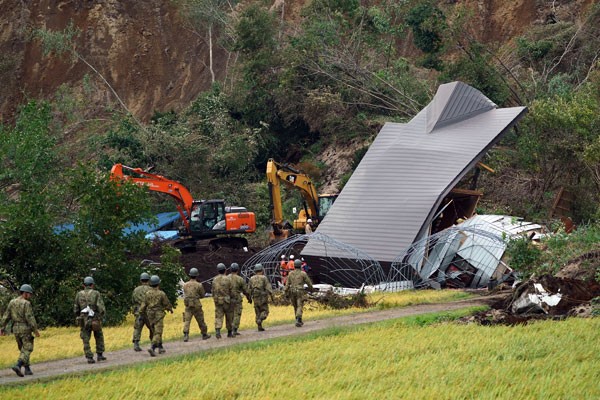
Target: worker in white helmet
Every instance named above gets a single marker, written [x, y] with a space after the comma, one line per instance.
[308, 229]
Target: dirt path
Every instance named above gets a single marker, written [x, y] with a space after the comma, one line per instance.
[75, 366]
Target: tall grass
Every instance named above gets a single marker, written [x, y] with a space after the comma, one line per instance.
[57, 343]
[399, 359]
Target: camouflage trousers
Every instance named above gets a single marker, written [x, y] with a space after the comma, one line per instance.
[25, 344]
[194, 311]
[156, 320]
[139, 325]
[223, 310]
[297, 299]
[261, 309]
[86, 335]
[236, 313]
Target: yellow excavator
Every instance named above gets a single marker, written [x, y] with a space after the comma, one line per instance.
[314, 206]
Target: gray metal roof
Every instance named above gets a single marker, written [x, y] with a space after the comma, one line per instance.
[392, 196]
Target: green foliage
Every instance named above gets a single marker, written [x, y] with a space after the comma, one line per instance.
[534, 49]
[255, 30]
[34, 249]
[524, 255]
[427, 23]
[58, 42]
[558, 250]
[476, 68]
[557, 144]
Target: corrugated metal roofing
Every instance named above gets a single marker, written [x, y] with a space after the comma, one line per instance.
[390, 199]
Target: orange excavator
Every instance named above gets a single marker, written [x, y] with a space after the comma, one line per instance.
[202, 219]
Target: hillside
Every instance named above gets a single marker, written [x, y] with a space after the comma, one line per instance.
[156, 61]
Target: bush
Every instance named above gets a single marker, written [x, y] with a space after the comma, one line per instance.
[524, 255]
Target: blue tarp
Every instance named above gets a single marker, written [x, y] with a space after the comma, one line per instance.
[164, 219]
[153, 230]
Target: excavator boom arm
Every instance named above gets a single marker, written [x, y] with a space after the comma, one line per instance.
[277, 173]
[157, 183]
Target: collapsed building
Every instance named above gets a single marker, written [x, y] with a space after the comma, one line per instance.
[402, 190]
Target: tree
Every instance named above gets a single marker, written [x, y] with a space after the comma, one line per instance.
[210, 16]
[40, 195]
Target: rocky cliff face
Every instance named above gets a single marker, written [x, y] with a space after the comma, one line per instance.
[142, 48]
[154, 62]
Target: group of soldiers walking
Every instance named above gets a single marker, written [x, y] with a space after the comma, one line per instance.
[150, 304]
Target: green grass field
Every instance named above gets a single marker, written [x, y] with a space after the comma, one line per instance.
[422, 357]
[58, 343]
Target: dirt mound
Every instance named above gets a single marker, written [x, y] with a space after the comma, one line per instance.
[583, 267]
[546, 297]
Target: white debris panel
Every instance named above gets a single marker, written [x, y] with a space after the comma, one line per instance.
[466, 255]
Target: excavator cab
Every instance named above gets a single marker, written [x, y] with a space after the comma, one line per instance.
[325, 203]
[207, 215]
[211, 217]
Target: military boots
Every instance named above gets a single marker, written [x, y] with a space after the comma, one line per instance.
[136, 346]
[90, 360]
[101, 357]
[218, 333]
[28, 370]
[229, 333]
[17, 368]
[205, 336]
[161, 349]
[260, 327]
[235, 332]
[186, 336]
[151, 351]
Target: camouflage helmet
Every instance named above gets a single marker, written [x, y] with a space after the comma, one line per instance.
[154, 280]
[234, 267]
[26, 289]
[258, 267]
[88, 280]
[221, 267]
[144, 276]
[193, 272]
[297, 264]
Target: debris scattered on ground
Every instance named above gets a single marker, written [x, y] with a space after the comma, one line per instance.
[545, 297]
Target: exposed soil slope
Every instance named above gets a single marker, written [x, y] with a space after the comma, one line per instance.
[156, 62]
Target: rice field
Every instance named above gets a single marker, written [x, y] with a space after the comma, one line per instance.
[421, 357]
[58, 343]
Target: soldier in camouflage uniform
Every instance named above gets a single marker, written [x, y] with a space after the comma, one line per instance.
[19, 314]
[239, 287]
[222, 292]
[140, 320]
[260, 289]
[89, 311]
[193, 292]
[294, 288]
[154, 305]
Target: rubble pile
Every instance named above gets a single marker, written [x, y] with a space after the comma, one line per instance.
[544, 297]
